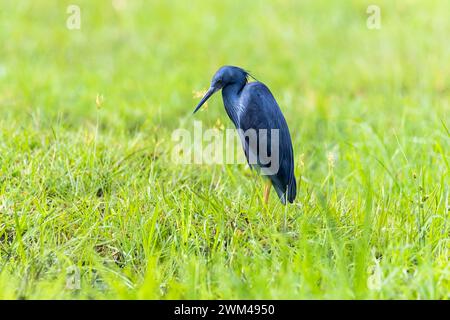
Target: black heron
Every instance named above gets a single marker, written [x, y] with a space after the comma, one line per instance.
[251, 106]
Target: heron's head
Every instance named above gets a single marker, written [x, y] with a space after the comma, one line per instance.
[225, 76]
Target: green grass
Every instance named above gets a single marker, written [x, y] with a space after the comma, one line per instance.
[95, 190]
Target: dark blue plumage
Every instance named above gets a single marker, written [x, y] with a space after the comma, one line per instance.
[252, 106]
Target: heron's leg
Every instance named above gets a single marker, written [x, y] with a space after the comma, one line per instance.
[267, 188]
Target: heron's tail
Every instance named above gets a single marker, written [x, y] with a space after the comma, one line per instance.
[292, 190]
[288, 192]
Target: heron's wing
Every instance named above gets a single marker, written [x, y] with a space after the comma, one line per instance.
[262, 114]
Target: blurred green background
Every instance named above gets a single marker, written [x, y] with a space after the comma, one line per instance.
[94, 187]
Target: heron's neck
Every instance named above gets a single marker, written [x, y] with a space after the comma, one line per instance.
[230, 95]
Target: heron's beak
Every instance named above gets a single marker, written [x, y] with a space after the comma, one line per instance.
[208, 94]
